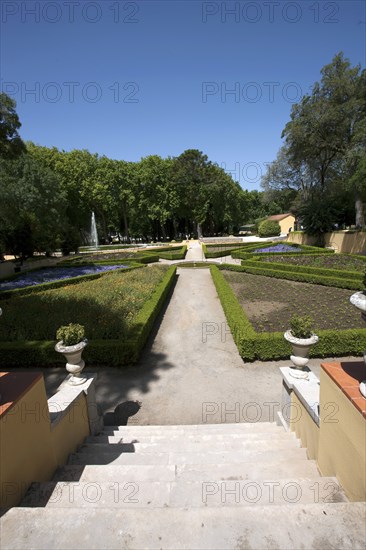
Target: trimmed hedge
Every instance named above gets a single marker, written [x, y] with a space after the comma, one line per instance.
[295, 275]
[309, 270]
[304, 250]
[272, 346]
[63, 282]
[105, 352]
[226, 251]
[177, 254]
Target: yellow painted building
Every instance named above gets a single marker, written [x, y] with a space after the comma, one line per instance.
[285, 221]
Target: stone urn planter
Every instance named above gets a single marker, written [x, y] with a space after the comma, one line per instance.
[302, 338]
[71, 344]
[359, 301]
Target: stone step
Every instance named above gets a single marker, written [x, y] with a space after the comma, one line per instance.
[183, 494]
[195, 438]
[309, 526]
[189, 444]
[97, 456]
[223, 428]
[300, 468]
[181, 446]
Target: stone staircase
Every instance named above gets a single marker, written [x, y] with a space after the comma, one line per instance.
[218, 486]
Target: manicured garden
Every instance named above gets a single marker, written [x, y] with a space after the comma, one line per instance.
[117, 310]
[259, 297]
[270, 303]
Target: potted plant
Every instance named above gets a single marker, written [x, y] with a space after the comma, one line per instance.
[71, 343]
[301, 336]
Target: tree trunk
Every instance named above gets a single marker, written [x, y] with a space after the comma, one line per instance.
[125, 223]
[199, 230]
[163, 231]
[360, 216]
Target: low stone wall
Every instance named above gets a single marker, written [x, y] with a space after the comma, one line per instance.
[38, 435]
[342, 241]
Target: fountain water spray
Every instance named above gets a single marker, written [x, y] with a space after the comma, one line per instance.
[93, 232]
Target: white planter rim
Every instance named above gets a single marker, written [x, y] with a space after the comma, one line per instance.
[301, 341]
[358, 299]
[70, 349]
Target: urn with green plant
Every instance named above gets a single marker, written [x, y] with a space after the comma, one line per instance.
[71, 343]
[302, 337]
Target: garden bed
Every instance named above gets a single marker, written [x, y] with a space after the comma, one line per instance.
[270, 303]
[117, 310]
[254, 345]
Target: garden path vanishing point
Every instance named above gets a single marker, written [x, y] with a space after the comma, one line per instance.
[191, 367]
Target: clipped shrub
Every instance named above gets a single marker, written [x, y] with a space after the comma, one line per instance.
[301, 327]
[174, 253]
[70, 334]
[313, 275]
[269, 228]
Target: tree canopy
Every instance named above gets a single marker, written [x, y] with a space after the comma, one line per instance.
[324, 149]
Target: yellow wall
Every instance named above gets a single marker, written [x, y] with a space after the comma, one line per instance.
[71, 431]
[339, 443]
[304, 427]
[30, 449]
[342, 242]
[26, 450]
[287, 224]
[342, 444]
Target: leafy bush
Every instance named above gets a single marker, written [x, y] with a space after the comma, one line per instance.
[70, 334]
[301, 327]
[269, 228]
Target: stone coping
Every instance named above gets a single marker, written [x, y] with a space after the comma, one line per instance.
[13, 386]
[348, 375]
[61, 402]
[307, 390]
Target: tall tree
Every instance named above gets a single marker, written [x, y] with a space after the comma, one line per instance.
[11, 144]
[326, 133]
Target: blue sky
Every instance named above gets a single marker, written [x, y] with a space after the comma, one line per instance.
[130, 79]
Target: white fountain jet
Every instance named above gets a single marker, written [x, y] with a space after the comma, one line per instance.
[93, 232]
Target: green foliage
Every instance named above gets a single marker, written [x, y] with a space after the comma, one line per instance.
[301, 326]
[320, 167]
[70, 334]
[120, 351]
[31, 207]
[70, 240]
[364, 280]
[11, 145]
[269, 228]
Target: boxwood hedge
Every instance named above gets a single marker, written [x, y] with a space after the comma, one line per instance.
[304, 274]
